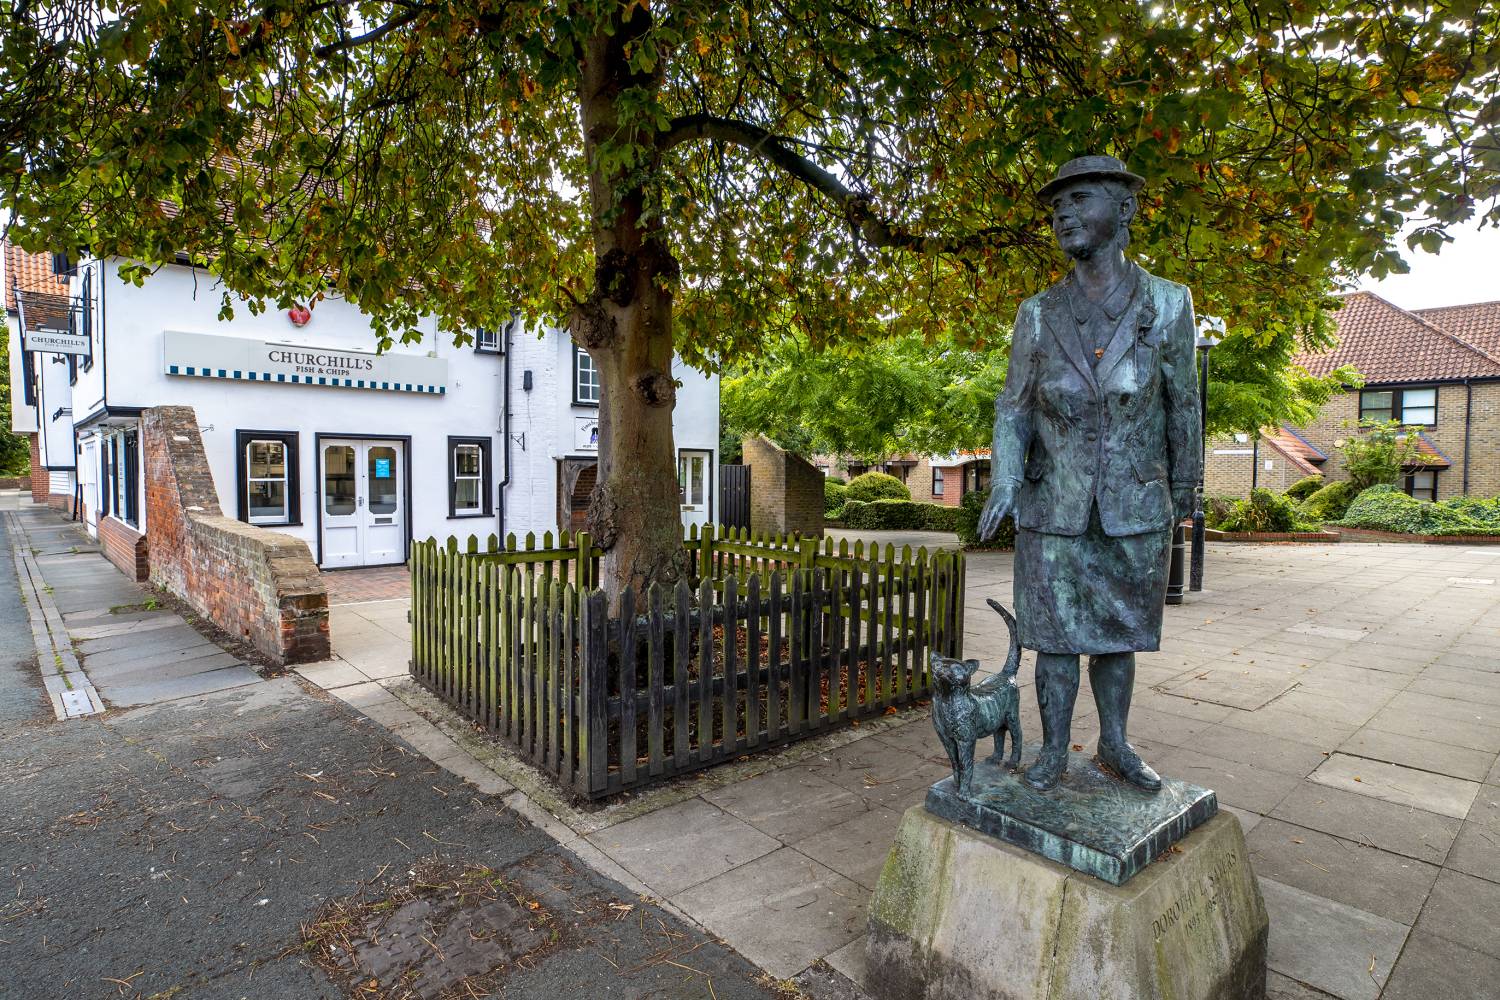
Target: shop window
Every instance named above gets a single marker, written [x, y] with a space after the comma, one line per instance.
[1409, 406]
[469, 477]
[937, 481]
[268, 480]
[1421, 484]
[586, 389]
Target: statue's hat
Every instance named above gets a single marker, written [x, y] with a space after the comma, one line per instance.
[1100, 168]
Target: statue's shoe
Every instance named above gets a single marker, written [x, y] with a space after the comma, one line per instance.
[1049, 768]
[1127, 765]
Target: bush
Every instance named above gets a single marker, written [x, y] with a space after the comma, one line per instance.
[1485, 511]
[836, 479]
[898, 515]
[870, 486]
[969, 509]
[1304, 488]
[1263, 510]
[1388, 509]
[1217, 510]
[1377, 455]
[1329, 503]
[834, 495]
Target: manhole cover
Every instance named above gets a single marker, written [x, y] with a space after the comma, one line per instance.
[445, 930]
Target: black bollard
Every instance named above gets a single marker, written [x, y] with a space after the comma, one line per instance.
[1195, 574]
[1175, 574]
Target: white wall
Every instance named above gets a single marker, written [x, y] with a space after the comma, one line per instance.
[22, 417]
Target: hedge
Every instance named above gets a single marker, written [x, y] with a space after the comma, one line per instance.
[1384, 508]
[1305, 487]
[871, 486]
[899, 515]
[1328, 503]
[969, 509]
[1217, 510]
[834, 495]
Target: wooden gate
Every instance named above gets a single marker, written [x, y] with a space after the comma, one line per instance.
[734, 496]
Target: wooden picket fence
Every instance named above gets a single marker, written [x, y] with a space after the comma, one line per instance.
[774, 639]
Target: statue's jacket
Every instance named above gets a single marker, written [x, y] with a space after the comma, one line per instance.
[1121, 430]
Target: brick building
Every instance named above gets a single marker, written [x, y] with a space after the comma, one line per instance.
[943, 479]
[1436, 370]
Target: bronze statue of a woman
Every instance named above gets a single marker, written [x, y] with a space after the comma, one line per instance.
[1096, 452]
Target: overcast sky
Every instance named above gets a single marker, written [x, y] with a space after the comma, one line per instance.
[1468, 270]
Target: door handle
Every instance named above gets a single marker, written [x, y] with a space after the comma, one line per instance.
[360, 501]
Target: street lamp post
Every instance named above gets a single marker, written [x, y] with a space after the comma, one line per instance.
[1209, 334]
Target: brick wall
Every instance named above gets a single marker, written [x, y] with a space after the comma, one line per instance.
[41, 479]
[125, 547]
[786, 492]
[1231, 475]
[258, 584]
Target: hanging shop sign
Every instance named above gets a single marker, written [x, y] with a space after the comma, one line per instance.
[586, 433]
[204, 355]
[55, 342]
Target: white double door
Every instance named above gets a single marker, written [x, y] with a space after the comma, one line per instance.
[362, 514]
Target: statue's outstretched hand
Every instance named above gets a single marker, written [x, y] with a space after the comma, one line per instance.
[1184, 501]
[1002, 501]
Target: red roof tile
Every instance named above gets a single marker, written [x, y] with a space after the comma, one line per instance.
[1478, 323]
[1302, 456]
[30, 272]
[1388, 344]
[1428, 456]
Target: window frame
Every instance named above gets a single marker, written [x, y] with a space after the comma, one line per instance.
[486, 477]
[1398, 404]
[939, 480]
[578, 355]
[1408, 482]
[122, 456]
[290, 442]
[708, 478]
[480, 347]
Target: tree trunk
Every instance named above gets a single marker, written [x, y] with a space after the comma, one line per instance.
[626, 326]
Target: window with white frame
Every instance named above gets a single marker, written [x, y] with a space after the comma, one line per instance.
[585, 378]
[267, 473]
[937, 481]
[486, 340]
[468, 477]
[1409, 406]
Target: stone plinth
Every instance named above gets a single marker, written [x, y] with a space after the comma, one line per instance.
[959, 915]
[1090, 822]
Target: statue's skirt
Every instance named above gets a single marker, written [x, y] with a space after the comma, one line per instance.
[1091, 593]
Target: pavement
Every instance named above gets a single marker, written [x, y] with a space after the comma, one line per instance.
[244, 842]
[1342, 699]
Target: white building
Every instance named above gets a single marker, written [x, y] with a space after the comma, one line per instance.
[310, 432]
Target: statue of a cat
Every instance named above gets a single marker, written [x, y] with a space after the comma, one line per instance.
[963, 715]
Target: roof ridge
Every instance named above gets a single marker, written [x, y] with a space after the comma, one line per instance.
[1314, 448]
[1434, 327]
[1457, 305]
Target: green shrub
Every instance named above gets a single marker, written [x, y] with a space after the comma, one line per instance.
[837, 479]
[1484, 510]
[1263, 510]
[1217, 509]
[1329, 503]
[1306, 487]
[1377, 453]
[870, 486]
[969, 509]
[887, 515]
[834, 495]
[939, 517]
[1388, 509]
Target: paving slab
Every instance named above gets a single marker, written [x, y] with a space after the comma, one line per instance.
[1338, 949]
[1466, 910]
[1476, 849]
[1245, 785]
[1400, 829]
[1423, 755]
[881, 773]
[332, 674]
[1455, 732]
[149, 692]
[783, 911]
[1434, 968]
[1245, 747]
[146, 648]
[856, 848]
[790, 803]
[1436, 793]
[1357, 875]
[1233, 686]
[683, 845]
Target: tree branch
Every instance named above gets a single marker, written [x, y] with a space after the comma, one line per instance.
[374, 34]
[876, 231]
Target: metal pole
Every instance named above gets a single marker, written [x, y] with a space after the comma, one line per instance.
[1196, 574]
[1174, 568]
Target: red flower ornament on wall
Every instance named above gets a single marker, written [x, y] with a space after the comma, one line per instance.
[299, 315]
